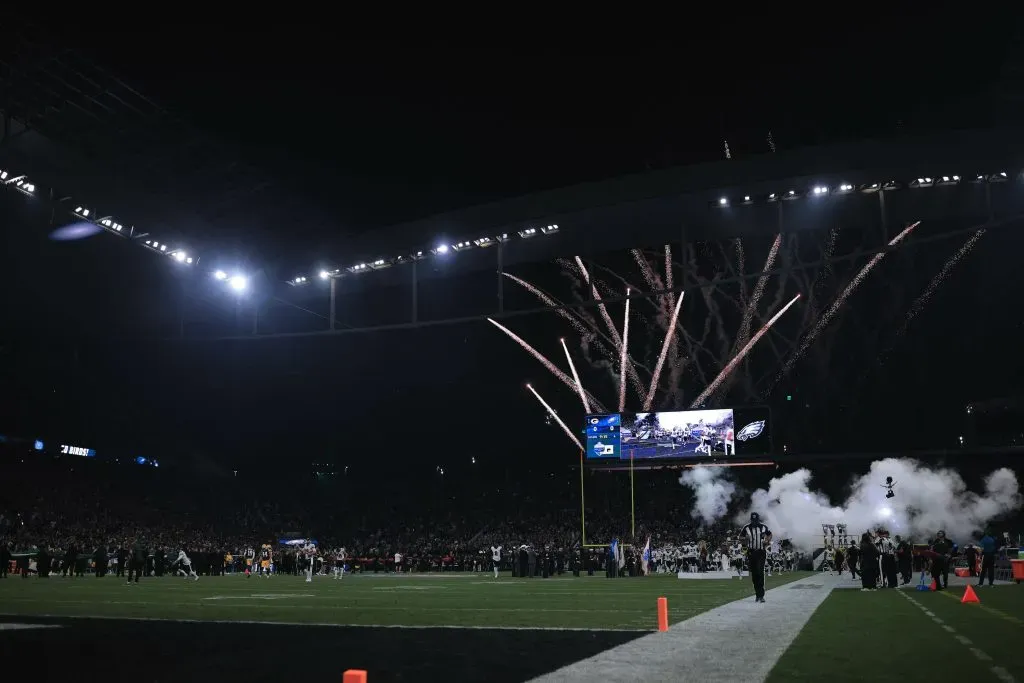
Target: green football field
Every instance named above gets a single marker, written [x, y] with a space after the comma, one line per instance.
[909, 635]
[384, 600]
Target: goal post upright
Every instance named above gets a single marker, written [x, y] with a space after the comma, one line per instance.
[583, 506]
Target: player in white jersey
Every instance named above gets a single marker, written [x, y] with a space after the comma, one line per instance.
[339, 563]
[736, 553]
[185, 566]
[309, 551]
[495, 558]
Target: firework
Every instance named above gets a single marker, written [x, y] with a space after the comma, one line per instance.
[548, 301]
[741, 355]
[919, 302]
[576, 377]
[838, 303]
[623, 358]
[616, 339]
[748, 313]
[664, 352]
[551, 367]
[553, 414]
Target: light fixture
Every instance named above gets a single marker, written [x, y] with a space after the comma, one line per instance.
[844, 188]
[81, 211]
[483, 242]
[870, 188]
[441, 249]
[922, 182]
[324, 275]
[380, 263]
[503, 237]
[220, 275]
[238, 283]
[528, 233]
[723, 202]
[462, 246]
[820, 190]
[551, 229]
[180, 256]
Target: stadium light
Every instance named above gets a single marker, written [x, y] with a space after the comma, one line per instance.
[550, 230]
[820, 190]
[110, 224]
[723, 202]
[238, 283]
[528, 233]
[441, 249]
[3, 174]
[462, 246]
[300, 280]
[483, 242]
[220, 275]
[503, 237]
[81, 211]
[324, 275]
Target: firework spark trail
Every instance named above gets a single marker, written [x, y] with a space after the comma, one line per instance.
[645, 269]
[668, 274]
[634, 376]
[624, 357]
[548, 301]
[921, 301]
[601, 307]
[755, 298]
[553, 414]
[664, 352]
[576, 376]
[551, 367]
[741, 355]
[826, 318]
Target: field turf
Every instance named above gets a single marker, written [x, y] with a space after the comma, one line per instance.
[458, 599]
[889, 636]
[464, 627]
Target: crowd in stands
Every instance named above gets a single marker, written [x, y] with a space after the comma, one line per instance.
[56, 504]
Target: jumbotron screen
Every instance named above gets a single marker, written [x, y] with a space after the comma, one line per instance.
[676, 435]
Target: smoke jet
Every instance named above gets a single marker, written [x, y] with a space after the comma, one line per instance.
[927, 500]
[712, 491]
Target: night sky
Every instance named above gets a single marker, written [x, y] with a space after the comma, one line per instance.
[353, 136]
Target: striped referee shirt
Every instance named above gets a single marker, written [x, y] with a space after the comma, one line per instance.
[886, 546]
[757, 536]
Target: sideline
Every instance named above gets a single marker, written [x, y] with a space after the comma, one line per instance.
[741, 640]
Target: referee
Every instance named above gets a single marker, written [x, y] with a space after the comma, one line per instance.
[758, 538]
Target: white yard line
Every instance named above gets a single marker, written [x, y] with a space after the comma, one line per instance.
[317, 625]
[741, 640]
[979, 654]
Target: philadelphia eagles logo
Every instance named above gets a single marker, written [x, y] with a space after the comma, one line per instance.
[751, 431]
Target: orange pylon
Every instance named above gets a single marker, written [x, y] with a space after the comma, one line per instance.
[969, 596]
[662, 614]
[354, 676]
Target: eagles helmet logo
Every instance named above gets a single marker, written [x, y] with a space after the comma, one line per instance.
[751, 431]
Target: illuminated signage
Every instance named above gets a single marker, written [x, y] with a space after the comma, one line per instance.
[77, 450]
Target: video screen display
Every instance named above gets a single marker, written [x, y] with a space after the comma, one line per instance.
[753, 433]
[684, 434]
[603, 441]
[679, 434]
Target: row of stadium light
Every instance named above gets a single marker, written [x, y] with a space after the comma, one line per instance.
[438, 251]
[867, 188]
[109, 224]
[239, 282]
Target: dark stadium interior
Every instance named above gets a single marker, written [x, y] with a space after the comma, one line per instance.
[380, 410]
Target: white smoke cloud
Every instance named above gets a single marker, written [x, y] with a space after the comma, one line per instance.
[712, 490]
[926, 500]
